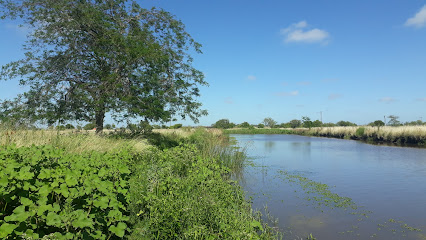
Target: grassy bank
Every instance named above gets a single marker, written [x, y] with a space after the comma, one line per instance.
[402, 135]
[126, 188]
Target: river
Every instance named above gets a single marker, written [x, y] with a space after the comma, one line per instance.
[386, 185]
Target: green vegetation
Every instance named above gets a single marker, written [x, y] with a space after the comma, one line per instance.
[223, 123]
[84, 59]
[269, 122]
[172, 191]
[260, 131]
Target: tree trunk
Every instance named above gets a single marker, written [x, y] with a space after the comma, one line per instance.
[100, 115]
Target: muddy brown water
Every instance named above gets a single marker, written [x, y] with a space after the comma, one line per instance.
[387, 184]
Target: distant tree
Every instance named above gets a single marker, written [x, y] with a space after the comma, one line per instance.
[345, 124]
[284, 125]
[244, 125]
[108, 126]
[69, 126]
[328, 124]
[60, 127]
[295, 123]
[317, 123]
[269, 122]
[377, 123]
[223, 123]
[307, 123]
[176, 126]
[260, 125]
[89, 126]
[393, 120]
[414, 123]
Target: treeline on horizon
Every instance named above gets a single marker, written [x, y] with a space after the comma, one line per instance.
[306, 122]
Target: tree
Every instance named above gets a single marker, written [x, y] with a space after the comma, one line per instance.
[307, 123]
[295, 123]
[223, 123]
[345, 124]
[244, 125]
[377, 123]
[260, 125]
[393, 120]
[317, 123]
[269, 122]
[84, 59]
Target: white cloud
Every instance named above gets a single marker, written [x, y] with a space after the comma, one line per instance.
[287, 94]
[251, 78]
[387, 100]
[419, 20]
[298, 32]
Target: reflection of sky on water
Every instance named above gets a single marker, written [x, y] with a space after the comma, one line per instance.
[389, 181]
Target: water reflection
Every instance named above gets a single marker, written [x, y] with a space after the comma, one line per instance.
[388, 181]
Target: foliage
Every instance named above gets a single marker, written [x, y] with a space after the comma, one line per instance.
[142, 128]
[179, 194]
[317, 123]
[377, 123]
[414, 123]
[89, 126]
[345, 124]
[260, 125]
[45, 191]
[295, 123]
[259, 131]
[176, 126]
[69, 126]
[86, 58]
[269, 122]
[393, 121]
[224, 124]
[360, 132]
[307, 123]
[244, 125]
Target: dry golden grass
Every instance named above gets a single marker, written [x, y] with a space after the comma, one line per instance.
[71, 141]
[186, 132]
[386, 133]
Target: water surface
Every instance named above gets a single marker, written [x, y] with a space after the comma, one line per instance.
[388, 184]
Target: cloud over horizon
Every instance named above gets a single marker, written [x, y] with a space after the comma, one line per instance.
[419, 20]
[299, 32]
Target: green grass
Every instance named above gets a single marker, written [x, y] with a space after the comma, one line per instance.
[177, 188]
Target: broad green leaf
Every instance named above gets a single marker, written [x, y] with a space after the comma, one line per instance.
[118, 230]
[26, 201]
[70, 180]
[82, 220]
[53, 219]
[6, 229]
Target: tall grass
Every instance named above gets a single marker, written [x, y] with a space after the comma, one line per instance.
[397, 135]
[71, 141]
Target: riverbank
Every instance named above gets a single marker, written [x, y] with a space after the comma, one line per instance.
[163, 186]
[401, 136]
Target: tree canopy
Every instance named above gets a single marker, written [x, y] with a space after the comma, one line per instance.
[85, 58]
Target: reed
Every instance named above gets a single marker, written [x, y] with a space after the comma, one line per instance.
[71, 141]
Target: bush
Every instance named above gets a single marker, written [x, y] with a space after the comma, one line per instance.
[47, 192]
[89, 126]
[176, 126]
[360, 132]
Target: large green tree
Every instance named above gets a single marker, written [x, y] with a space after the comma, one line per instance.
[85, 58]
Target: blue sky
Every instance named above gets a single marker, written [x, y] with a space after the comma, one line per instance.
[356, 61]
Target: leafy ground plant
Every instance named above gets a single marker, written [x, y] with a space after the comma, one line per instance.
[45, 191]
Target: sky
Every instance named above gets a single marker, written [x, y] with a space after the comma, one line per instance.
[356, 61]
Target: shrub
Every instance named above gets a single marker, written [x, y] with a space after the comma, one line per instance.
[360, 132]
[45, 191]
